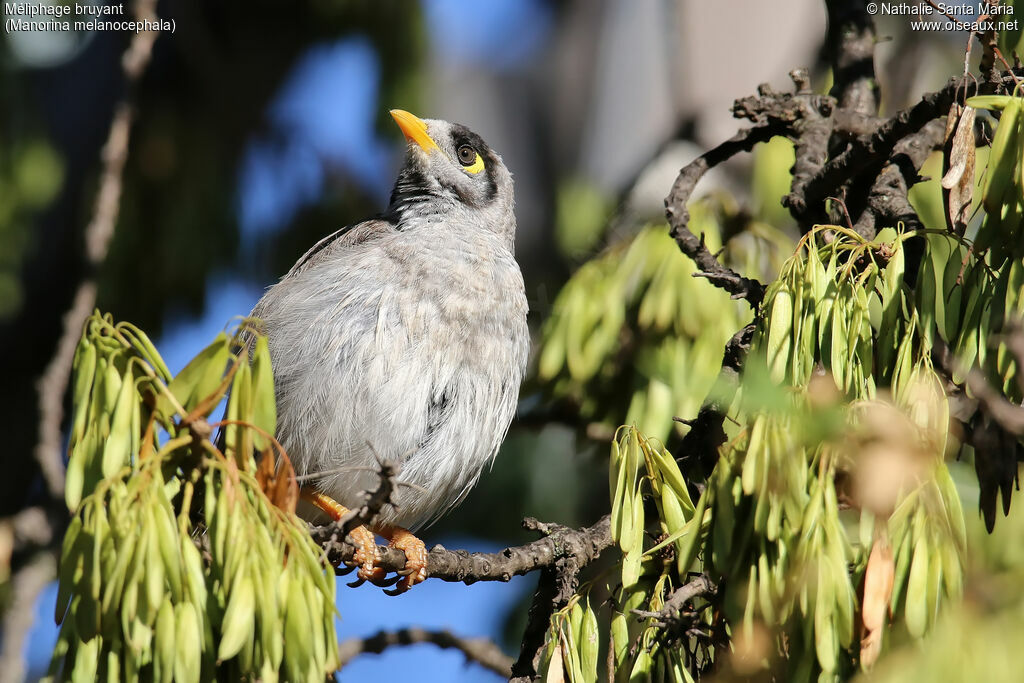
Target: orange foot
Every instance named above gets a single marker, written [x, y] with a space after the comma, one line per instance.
[415, 556]
[367, 557]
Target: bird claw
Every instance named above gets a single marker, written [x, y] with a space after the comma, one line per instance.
[415, 559]
[367, 556]
[387, 583]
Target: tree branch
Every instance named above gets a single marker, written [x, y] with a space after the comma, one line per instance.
[460, 566]
[671, 615]
[545, 602]
[867, 150]
[54, 381]
[679, 216]
[700, 445]
[851, 42]
[1007, 415]
[26, 585]
[480, 650]
[561, 554]
[887, 202]
[994, 431]
[375, 501]
[41, 566]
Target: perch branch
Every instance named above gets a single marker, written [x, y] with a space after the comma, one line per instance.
[560, 554]
[465, 567]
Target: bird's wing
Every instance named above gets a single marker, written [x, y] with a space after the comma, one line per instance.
[348, 236]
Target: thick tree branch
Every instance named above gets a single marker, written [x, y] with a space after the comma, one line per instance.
[868, 150]
[810, 152]
[887, 202]
[561, 554]
[480, 650]
[851, 46]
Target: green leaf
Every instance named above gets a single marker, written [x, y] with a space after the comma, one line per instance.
[199, 379]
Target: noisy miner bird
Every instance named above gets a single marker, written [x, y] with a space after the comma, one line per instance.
[404, 337]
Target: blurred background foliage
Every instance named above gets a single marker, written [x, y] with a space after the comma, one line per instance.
[262, 128]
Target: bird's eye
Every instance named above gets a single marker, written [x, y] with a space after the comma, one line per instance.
[467, 155]
[470, 159]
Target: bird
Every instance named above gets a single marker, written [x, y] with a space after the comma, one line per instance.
[404, 338]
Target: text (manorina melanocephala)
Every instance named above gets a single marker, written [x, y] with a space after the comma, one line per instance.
[404, 338]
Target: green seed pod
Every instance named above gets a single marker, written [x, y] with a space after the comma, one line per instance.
[188, 650]
[237, 625]
[164, 636]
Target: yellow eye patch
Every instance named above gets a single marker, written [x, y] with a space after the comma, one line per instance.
[476, 166]
[469, 158]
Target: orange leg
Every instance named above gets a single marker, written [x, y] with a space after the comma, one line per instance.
[366, 555]
[415, 555]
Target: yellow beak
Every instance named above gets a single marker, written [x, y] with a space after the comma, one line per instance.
[414, 129]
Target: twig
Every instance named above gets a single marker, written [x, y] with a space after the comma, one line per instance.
[26, 584]
[670, 615]
[480, 650]
[679, 216]
[374, 501]
[54, 381]
[557, 584]
[1007, 415]
[700, 445]
[846, 213]
[544, 604]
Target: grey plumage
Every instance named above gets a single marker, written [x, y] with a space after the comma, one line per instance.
[405, 335]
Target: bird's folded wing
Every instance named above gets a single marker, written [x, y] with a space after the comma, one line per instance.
[348, 236]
